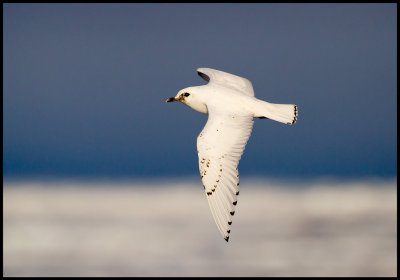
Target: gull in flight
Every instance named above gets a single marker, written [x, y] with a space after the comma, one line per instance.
[231, 107]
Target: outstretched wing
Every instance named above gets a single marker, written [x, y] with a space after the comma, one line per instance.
[220, 146]
[227, 80]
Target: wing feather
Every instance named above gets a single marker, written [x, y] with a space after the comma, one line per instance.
[214, 211]
[220, 146]
[227, 80]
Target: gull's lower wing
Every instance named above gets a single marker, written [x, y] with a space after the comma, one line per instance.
[220, 146]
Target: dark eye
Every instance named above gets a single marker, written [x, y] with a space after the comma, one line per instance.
[186, 94]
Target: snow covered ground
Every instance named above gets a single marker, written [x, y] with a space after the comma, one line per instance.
[165, 228]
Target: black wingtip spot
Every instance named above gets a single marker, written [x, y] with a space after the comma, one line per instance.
[209, 193]
[230, 222]
[232, 213]
[234, 203]
[204, 76]
[237, 193]
[228, 231]
[226, 238]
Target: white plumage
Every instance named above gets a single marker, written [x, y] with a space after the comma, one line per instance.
[231, 106]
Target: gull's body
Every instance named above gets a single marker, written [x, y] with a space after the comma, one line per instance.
[230, 103]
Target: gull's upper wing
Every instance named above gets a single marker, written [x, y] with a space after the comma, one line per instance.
[220, 146]
[227, 80]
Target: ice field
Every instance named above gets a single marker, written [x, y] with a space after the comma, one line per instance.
[165, 228]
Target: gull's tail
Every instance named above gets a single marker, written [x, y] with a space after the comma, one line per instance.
[283, 113]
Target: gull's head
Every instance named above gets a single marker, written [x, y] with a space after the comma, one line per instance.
[190, 96]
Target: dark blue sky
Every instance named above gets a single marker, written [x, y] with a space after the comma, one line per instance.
[85, 87]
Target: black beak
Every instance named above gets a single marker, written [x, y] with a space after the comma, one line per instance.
[171, 99]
